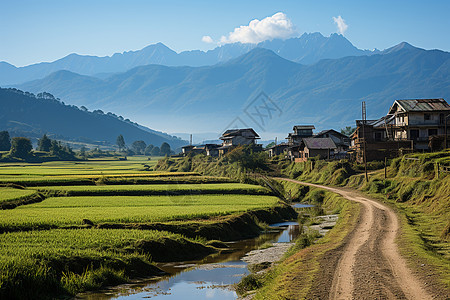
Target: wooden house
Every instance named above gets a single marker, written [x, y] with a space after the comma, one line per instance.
[315, 147]
[418, 120]
[300, 132]
[237, 137]
[212, 150]
[341, 141]
[277, 149]
[378, 145]
[295, 138]
[187, 149]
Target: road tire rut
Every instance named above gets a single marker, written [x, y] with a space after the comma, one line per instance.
[369, 265]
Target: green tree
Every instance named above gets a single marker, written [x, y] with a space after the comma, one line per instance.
[20, 147]
[348, 130]
[83, 152]
[148, 149]
[44, 144]
[246, 157]
[120, 142]
[5, 141]
[138, 147]
[270, 145]
[165, 149]
[155, 151]
[55, 148]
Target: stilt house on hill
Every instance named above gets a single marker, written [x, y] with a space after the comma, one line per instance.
[238, 137]
[410, 125]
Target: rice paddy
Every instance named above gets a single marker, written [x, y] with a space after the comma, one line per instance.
[10, 194]
[156, 189]
[59, 211]
[55, 245]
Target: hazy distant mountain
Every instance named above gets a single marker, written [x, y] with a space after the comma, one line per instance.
[25, 115]
[327, 93]
[307, 49]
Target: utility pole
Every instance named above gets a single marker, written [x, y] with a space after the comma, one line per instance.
[385, 167]
[364, 138]
[445, 134]
[190, 140]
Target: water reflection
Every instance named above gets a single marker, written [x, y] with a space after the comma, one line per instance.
[209, 278]
[302, 205]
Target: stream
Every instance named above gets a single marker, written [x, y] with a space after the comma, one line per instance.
[209, 278]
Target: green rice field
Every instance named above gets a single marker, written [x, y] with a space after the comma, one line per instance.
[10, 194]
[213, 188]
[59, 211]
[55, 243]
[70, 170]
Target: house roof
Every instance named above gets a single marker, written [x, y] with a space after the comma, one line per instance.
[420, 105]
[303, 127]
[238, 132]
[188, 146]
[282, 145]
[211, 146]
[330, 131]
[319, 143]
[389, 119]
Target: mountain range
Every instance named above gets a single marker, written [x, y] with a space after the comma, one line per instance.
[209, 98]
[306, 49]
[24, 114]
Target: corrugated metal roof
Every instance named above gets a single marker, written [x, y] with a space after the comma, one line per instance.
[389, 119]
[236, 132]
[302, 127]
[337, 133]
[423, 104]
[319, 143]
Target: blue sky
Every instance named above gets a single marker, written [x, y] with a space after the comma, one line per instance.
[45, 30]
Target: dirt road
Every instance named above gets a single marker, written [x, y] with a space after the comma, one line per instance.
[369, 264]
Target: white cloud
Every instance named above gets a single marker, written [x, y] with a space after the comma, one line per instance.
[342, 27]
[207, 39]
[277, 26]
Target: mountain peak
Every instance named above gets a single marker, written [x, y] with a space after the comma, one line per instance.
[399, 47]
[257, 55]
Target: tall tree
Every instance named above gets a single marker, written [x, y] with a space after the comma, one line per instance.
[138, 147]
[20, 147]
[148, 149]
[120, 142]
[44, 143]
[55, 148]
[165, 149]
[155, 151]
[348, 130]
[5, 141]
[83, 152]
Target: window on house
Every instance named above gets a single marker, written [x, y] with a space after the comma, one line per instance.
[413, 134]
[378, 136]
[426, 117]
[432, 132]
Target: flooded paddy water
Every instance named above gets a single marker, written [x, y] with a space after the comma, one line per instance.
[209, 278]
[212, 277]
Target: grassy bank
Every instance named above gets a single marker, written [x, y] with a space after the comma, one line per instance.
[35, 263]
[304, 264]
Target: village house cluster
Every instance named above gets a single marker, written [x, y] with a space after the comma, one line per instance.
[410, 125]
